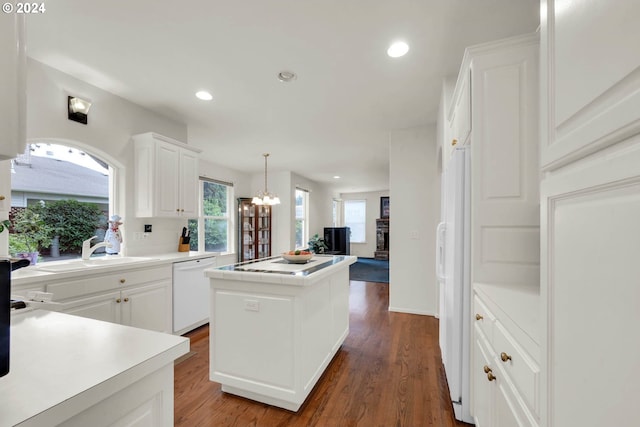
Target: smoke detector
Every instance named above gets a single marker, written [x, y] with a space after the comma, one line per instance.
[286, 76]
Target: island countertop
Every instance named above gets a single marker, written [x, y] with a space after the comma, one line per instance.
[277, 270]
[62, 364]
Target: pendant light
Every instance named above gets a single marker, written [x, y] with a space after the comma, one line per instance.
[264, 197]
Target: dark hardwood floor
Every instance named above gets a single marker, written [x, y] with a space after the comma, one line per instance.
[388, 373]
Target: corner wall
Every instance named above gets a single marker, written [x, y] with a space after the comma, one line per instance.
[414, 189]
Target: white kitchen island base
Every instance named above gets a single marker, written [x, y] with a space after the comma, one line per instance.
[275, 327]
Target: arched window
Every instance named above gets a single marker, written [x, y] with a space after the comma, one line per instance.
[61, 194]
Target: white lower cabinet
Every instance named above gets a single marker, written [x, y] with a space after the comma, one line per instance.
[505, 377]
[139, 298]
[148, 402]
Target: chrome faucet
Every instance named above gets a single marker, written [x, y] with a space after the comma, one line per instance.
[87, 249]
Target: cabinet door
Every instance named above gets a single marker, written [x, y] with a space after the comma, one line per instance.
[247, 230]
[188, 184]
[591, 62]
[462, 115]
[148, 307]
[263, 221]
[167, 180]
[13, 92]
[504, 165]
[482, 388]
[104, 307]
[590, 252]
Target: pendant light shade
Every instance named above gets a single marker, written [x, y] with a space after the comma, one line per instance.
[264, 197]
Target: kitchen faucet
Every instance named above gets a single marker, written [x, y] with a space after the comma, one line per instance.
[87, 249]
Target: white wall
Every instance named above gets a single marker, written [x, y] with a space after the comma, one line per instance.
[320, 204]
[112, 122]
[414, 189]
[372, 199]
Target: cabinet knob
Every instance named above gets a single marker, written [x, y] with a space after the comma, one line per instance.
[181, 210]
[487, 369]
[479, 317]
[454, 142]
[123, 280]
[126, 300]
[505, 357]
[118, 300]
[490, 376]
[177, 209]
[1, 197]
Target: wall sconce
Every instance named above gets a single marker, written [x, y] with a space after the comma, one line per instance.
[78, 109]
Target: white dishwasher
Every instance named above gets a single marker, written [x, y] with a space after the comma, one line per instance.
[190, 294]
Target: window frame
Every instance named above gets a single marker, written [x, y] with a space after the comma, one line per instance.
[304, 218]
[230, 217]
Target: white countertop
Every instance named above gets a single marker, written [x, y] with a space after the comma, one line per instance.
[57, 357]
[34, 275]
[277, 270]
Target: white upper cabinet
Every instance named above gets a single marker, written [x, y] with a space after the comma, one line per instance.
[494, 110]
[166, 177]
[592, 74]
[460, 112]
[13, 89]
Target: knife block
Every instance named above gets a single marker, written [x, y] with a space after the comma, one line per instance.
[182, 247]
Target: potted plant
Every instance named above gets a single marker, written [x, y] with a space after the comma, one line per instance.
[31, 235]
[317, 244]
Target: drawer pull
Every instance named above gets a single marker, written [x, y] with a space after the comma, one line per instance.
[487, 369]
[123, 280]
[454, 142]
[505, 357]
[118, 300]
[479, 317]
[490, 376]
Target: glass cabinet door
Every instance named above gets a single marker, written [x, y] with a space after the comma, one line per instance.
[254, 230]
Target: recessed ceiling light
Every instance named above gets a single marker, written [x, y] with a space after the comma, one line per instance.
[336, 177]
[398, 49]
[286, 76]
[204, 95]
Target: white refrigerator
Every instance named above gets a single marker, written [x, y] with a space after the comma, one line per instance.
[453, 269]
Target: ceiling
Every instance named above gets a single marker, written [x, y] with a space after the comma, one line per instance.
[334, 119]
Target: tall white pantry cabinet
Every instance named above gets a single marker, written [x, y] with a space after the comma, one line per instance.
[590, 212]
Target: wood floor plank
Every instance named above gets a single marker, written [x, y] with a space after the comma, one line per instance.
[387, 373]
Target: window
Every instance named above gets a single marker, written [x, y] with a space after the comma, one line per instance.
[212, 231]
[302, 212]
[60, 196]
[355, 217]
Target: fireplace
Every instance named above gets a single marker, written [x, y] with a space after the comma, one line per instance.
[382, 239]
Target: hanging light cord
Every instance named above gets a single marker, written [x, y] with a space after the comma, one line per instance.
[265, 172]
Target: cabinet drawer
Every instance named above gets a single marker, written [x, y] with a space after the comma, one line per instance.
[107, 282]
[521, 369]
[483, 318]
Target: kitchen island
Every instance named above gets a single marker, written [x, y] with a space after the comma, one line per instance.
[276, 326]
[70, 371]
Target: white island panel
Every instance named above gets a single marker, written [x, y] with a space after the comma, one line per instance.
[277, 326]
